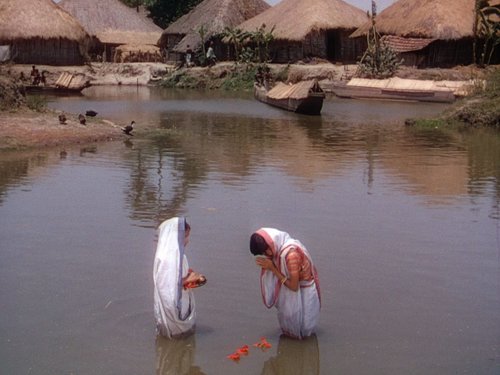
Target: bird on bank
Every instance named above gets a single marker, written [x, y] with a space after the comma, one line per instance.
[128, 129]
[91, 113]
[62, 119]
[82, 119]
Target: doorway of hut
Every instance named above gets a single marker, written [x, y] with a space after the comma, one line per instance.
[333, 45]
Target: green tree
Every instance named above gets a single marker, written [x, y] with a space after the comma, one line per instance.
[379, 60]
[164, 12]
[261, 38]
[236, 37]
[137, 3]
[486, 31]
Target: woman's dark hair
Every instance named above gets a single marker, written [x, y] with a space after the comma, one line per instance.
[187, 227]
[258, 244]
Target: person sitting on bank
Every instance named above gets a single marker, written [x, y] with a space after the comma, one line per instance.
[35, 75]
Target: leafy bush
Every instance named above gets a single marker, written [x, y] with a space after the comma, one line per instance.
[36, 103]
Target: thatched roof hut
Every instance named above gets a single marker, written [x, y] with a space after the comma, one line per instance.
[310, 28]
[112, 23]
[214, 16]
[39, 32]
[434, 32]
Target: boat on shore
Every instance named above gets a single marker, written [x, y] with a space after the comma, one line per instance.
[67, 83]
[304, 97]
[400, 89]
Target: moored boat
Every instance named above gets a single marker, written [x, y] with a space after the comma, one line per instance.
[304, 97]
[398, 89]
[67, 83]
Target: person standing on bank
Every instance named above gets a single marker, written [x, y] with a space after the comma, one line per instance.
[211, 58]
[174, 305]
[289, 280]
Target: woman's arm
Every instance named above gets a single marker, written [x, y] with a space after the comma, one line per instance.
[291, 282]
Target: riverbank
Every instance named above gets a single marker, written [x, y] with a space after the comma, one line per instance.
[21, 127]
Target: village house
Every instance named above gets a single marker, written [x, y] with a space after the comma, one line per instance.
[213, 16]
[119, 33]
[313, 28]
[39, 32]
[427, 33]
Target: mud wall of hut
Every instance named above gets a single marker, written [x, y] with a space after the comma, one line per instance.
[333, 45]
[47, 51]
[171, 40]
[445, 54]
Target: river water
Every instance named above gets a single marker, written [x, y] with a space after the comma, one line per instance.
[403, 226]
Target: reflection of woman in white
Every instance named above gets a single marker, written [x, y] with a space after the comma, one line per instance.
[174, 306]
[289, 280]
[294, 357]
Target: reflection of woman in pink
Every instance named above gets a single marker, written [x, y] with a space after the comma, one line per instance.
[289, 280]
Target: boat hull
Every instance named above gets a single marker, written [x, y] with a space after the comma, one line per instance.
[52, 90]
[363, 92]
[311, 105]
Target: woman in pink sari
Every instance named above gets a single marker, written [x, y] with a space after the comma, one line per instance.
[289, 280]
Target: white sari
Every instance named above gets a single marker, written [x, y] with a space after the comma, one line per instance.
[174, 306]
[298, 311]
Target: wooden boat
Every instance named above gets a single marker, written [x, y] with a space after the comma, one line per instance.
[395, 89]
[305, 97]
[67, 83]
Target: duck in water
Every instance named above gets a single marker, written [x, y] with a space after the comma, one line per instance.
[128, 129]
[91, 113]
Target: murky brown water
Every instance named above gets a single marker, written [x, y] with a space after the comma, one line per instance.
[403, 226]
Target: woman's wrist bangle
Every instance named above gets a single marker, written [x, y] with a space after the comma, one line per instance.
[283, 280]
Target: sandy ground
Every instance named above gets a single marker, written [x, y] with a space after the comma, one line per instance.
[24, 129]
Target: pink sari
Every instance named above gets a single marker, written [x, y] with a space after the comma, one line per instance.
[298, 311]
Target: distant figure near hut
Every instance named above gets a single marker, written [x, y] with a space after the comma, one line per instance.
[189, 56]
[43, 78]
[35, 76]
[211, 58]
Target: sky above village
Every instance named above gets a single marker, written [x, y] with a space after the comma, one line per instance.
[362, 4]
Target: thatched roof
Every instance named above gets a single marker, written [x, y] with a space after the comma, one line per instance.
[214, 15]
[113, 22]
[299, 90]
[434, 19]
[295, 19]
[26, 19]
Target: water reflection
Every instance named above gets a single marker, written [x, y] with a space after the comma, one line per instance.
[16, 167]
[294, 357]
[176, 357]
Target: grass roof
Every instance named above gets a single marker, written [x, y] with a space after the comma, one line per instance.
[294, 19]
[214, 15]
[436, 19]
[26, 19]
[111, 21]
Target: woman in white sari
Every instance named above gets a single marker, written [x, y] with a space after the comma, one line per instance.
[174, 306]
[289, 280]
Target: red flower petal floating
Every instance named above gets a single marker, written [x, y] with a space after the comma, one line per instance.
[263, 344]
[243, 350]
[234, 356]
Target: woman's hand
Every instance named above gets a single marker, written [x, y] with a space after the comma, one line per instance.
[265, 263]
[193, 278]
